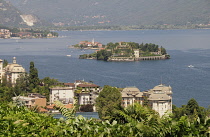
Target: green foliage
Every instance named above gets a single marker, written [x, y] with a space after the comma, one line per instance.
[103, 55]
[140, 122]
[5, 63]
[33, 76]
[108, 101]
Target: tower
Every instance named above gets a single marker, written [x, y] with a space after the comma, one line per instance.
[14, 60]
[136, 53]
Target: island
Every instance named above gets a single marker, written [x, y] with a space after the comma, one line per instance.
[126, 51]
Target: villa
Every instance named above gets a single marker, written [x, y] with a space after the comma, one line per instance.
[12, 71]
[159, 98]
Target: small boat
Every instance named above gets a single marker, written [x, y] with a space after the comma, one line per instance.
[68, 55]
[190, 66]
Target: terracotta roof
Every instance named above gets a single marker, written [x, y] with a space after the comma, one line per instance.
[42, 110]
[50, 106]
[88, 85]
[69, 106]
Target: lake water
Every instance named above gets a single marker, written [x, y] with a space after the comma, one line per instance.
[186, 47]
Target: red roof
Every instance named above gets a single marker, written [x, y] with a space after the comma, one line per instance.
[88, 85]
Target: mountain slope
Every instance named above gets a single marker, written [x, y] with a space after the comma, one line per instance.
[11, 16]
[118, 12]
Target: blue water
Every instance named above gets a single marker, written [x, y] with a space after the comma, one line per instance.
[87, 115]
[186, 47]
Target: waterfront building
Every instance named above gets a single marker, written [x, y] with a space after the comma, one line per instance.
[32, 100]
[136, 53]
[159, 98]
[5, 33]
[131, 95]
[12, 71]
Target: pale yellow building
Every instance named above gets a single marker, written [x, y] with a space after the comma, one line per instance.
[12, 71]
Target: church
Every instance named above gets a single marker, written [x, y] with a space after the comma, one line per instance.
[11, 72]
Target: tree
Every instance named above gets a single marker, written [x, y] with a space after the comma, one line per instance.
[108, 101]
[33, 76]
[5, 63]
[192, 106]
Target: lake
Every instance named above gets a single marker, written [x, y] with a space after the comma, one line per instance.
[186, 47]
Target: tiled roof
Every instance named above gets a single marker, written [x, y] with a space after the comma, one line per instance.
[88, 85]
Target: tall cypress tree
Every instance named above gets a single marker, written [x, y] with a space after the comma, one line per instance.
[33, 76]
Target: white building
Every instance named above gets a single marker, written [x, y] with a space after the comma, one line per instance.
[63, 94]
[12, 71]
[131, 95]
[160, 99]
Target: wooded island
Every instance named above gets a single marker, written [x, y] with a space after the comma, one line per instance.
[126, 51]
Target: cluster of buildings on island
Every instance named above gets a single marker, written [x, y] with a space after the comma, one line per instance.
[90, 45]
[159, 98]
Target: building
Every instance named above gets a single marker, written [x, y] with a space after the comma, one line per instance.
[5, 33]
[12, 71]
[131, 95]
[63, 94]
[85, 92]
[159, 98]
[32, 100]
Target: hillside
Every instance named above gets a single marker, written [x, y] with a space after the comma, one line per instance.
[11, 16]
[118, 12]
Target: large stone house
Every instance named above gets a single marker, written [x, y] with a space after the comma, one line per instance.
[12, 71]
[159, 98]
[131, 95]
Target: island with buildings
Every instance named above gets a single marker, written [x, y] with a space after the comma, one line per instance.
[89, 45]
[84, 93]
[125, 51]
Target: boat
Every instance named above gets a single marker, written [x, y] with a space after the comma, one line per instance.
[190, 66]
[68, 55]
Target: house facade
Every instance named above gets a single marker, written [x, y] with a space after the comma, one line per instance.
[12, 71]
[159, 98]
[63, 94]
[131, 95]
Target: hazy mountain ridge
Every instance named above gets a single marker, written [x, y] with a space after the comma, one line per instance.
[11, 16]
[118, 12]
